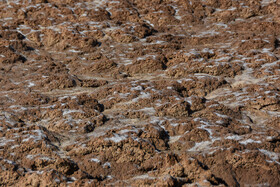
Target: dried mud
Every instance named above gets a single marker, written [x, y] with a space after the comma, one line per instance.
[139, 93]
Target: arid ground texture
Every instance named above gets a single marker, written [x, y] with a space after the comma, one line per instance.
[139, 93]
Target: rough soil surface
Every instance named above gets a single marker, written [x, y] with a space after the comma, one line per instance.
[139, 93]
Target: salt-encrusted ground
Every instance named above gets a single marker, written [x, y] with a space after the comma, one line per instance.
[135, 93]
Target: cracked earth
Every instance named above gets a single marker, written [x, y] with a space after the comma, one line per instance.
[139, 93]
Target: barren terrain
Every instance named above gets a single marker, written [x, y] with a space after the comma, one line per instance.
[139, 93]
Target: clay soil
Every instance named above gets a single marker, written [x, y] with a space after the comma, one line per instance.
[139, 93]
